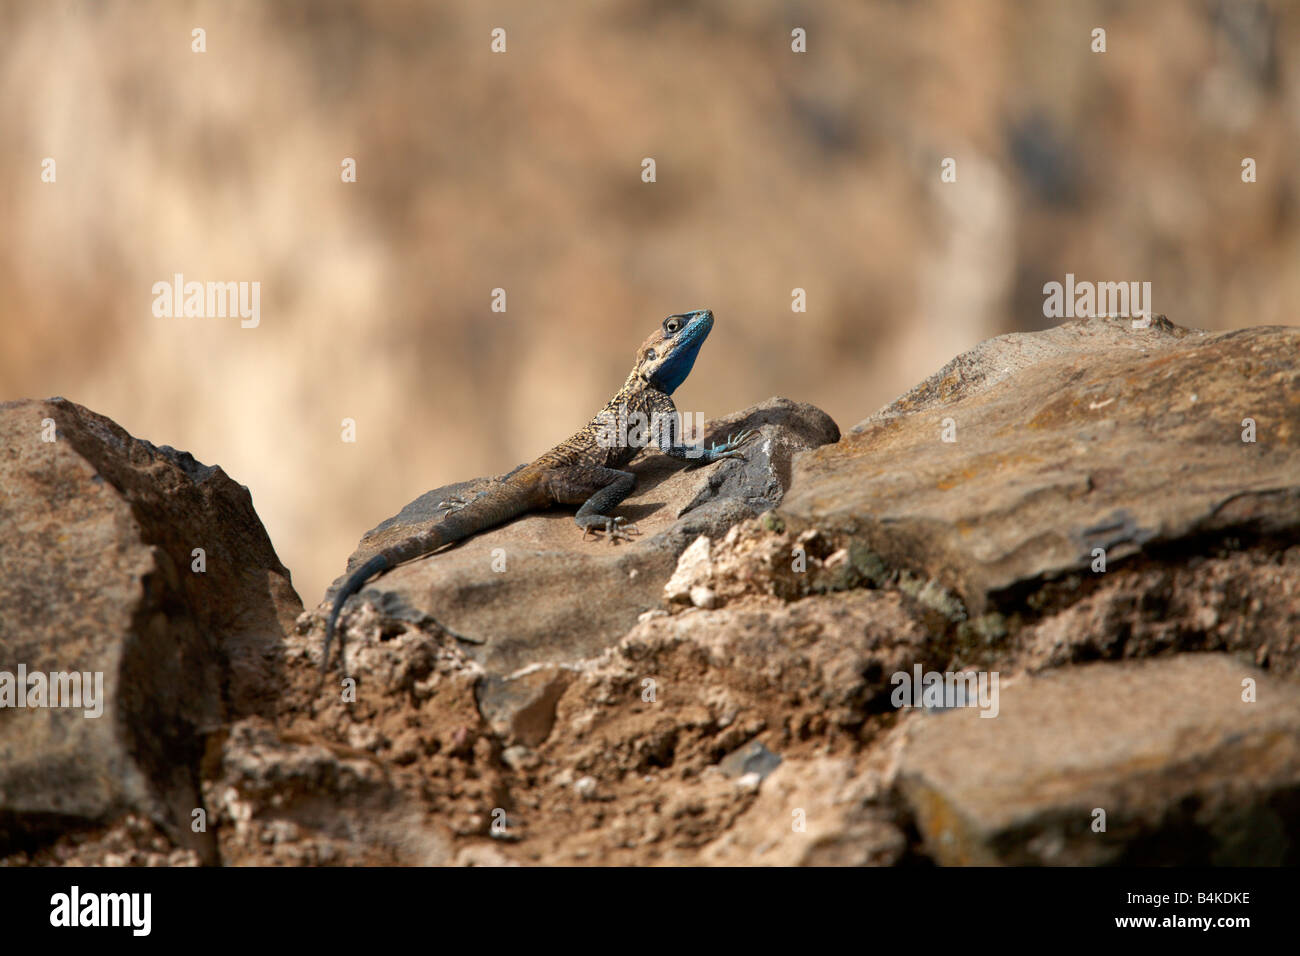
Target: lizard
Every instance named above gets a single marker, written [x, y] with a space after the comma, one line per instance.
[586, 469]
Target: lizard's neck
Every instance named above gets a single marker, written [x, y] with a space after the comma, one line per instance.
[637, 392]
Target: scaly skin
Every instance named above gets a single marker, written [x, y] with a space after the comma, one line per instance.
[582, 470]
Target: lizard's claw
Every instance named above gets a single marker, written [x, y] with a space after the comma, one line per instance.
[622, 530]
[452, 504]
[731, 448]
[616, 529]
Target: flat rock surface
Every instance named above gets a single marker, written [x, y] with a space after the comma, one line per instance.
[1091, 435]
[1184, 769]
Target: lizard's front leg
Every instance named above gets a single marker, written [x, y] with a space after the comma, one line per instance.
[600, 490]
[707, 456]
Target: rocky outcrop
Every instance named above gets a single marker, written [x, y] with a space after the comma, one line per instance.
[776, 672]
[1186, 760]
[1037, 455]
[146, 581]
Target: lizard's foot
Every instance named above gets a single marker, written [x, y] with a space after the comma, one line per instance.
[616, 528]
[731, 447]
[453, 504]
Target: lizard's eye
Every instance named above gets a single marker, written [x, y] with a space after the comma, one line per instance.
[650, 355]
[672, 325]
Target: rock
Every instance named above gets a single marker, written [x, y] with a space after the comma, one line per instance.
[97, 575]
[130, 840]
[811, 813]
[753, 758]
[480, 854]
[815, 667]
[278, 802]
[1186, 772]
[521, 707]
[519, 758]
[560, 597]
[1241, 600]
[1091, 435]
[691, 565]
[702, 596]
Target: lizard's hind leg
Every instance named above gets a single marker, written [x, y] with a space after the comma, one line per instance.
[599, 490]
[456, 503]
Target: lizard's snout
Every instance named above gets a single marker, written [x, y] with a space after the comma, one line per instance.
[702, 318]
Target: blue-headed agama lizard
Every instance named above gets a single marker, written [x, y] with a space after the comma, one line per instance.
[583, 470]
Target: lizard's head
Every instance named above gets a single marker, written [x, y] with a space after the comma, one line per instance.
[667, 356]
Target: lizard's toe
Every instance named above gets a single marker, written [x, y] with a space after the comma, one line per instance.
[456, 503]
[594, 525]
[731, 447]
[743, 437]
[614, 529]
[624, 531]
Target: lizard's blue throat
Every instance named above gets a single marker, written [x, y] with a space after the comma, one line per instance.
[686, 347]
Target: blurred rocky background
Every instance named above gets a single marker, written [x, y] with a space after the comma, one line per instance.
[521, 171]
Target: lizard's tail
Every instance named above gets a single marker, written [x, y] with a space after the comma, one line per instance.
[387, 559]
[492, 507]
[376, 565]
